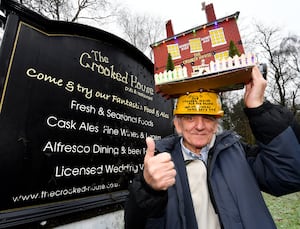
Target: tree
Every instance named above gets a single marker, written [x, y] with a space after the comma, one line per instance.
[83, 11]
[233, 49]
[226, 119]
[290, 47]
[140, 30]
[170, 63]
[240, 122]
[282, 55]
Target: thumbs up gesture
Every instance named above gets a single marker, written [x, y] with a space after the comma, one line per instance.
[159, 171]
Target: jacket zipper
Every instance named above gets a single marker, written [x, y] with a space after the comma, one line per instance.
[211, 194]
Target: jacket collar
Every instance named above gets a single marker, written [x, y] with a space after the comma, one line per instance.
[223, 141]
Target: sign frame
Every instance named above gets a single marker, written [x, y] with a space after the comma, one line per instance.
[20, 15]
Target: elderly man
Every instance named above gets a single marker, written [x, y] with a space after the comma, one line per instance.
[205, 177]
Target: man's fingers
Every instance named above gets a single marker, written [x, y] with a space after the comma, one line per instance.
[164, 157]
[255, 89]
[161, 180]
[161, 162]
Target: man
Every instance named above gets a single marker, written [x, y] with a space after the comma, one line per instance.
[207, 178]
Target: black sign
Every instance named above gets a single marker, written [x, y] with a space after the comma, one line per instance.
[75, 112]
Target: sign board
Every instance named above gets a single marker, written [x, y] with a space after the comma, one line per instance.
[76, 106]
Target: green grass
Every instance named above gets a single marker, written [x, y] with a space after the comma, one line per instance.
[285, 210]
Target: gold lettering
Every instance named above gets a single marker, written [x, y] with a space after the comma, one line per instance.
[70, 86]
[95, 63]
[82, 61]
[31, 72]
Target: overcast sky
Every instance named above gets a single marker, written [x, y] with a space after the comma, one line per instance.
[186, 14]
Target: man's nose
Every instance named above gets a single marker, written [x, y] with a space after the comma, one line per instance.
[199, 122]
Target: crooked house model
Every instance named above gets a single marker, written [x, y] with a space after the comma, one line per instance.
[195, 48]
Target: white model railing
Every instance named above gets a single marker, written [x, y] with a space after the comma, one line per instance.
[205, 69]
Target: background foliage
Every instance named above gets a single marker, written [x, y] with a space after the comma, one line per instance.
[285, 210]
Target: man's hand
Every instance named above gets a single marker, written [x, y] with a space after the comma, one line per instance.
[159, 171]
[255, 89]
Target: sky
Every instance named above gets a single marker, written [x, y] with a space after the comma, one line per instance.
[188, 14]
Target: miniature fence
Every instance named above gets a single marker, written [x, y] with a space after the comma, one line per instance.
[205, 69]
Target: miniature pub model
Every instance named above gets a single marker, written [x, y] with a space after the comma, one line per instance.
[209, 57]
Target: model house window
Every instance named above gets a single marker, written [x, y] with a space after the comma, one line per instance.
[221, 55]
[174, 51]
[195, 45]
[217, 37]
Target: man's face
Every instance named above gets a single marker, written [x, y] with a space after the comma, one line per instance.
[197, 130]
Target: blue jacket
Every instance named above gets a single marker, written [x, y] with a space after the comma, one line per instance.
[236, 175]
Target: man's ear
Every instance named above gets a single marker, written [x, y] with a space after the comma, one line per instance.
[177, 125]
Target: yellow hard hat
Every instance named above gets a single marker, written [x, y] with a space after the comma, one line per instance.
[208, 103]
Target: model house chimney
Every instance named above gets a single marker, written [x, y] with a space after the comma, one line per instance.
[169, 29]
[209, 11]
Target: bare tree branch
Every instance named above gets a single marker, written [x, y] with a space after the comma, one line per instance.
[140, 30]
[81, 11]
[283, 56]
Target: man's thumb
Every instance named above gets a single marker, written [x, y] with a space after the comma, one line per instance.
[150, 147]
